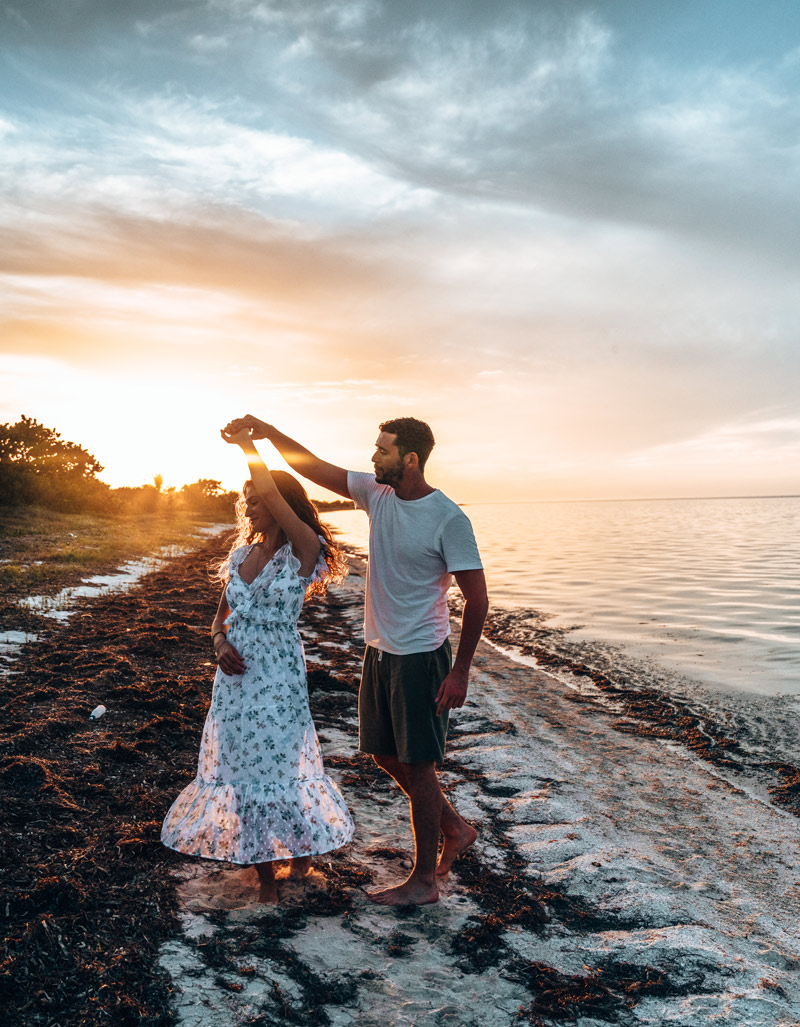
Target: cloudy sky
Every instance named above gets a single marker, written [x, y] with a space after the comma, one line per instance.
[564, 233]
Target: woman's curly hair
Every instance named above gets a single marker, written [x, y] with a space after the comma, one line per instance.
[297, 498]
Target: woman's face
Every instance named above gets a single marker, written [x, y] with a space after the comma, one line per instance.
[257, 512]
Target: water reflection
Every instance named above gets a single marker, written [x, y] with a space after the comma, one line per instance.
[709, 587]
[62, 606]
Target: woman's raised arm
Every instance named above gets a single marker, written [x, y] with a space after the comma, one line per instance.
[304, 540]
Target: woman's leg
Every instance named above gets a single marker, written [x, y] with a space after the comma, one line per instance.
[268, 889]
[299, 867]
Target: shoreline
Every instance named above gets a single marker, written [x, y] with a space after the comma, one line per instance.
[601, 886]
[617, 878]
[646, 704]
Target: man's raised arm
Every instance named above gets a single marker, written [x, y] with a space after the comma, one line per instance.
[300, 459]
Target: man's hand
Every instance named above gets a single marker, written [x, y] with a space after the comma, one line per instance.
[452, 692]
[258, 429]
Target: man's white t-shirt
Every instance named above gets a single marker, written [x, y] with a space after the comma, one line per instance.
[414, 548]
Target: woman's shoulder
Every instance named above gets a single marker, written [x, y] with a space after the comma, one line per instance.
[293, 563]
[239, 553]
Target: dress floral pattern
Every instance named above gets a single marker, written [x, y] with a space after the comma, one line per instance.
[261, 792]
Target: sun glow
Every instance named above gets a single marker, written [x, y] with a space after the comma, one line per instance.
[140, 423]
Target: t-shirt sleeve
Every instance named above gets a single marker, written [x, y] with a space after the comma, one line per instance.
[458, 545]
[362, 487]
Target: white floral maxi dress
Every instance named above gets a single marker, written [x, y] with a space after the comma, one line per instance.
[261, 792]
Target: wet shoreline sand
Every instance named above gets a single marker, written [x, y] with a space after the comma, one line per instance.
[618, 878]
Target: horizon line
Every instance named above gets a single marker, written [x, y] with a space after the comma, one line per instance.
[628, 499]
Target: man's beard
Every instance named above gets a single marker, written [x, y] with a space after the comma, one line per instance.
[392, 476]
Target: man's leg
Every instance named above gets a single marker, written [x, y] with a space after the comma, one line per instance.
[425, 796]
[457, 833]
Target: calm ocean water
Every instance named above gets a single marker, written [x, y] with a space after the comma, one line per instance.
[698, 597]
[709, 587]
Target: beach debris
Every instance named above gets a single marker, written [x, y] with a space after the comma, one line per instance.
[97, 712]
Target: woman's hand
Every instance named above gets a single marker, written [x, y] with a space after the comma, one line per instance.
[237, 437]
[229, 659]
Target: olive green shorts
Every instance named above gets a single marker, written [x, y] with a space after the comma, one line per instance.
[396, 704]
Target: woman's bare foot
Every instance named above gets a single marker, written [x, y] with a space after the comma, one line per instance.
[409, 893]
[299, 867]
[454, 846]
[267, 885]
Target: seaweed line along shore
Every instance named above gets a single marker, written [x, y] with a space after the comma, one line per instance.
[621, 876]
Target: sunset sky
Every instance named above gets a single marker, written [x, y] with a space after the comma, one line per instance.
[566, 234]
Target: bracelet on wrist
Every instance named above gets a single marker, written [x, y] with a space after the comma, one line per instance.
[224, 635]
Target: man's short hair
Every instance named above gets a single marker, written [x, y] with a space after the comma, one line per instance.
[413, 436]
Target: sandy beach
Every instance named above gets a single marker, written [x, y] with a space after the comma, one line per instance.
[618, 877]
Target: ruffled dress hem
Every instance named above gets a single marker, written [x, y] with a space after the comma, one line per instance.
[250, 824]
[198, 854]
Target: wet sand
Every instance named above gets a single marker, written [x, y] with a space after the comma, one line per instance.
[619, 877]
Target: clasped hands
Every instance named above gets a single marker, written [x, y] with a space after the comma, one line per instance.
[244, 429]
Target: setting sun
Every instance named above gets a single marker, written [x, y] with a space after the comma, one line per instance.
[236, 222]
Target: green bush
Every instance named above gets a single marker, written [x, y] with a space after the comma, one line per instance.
[39, 468]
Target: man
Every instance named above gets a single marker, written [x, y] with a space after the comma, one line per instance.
[418, 539]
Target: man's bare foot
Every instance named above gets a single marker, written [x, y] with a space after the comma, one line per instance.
[453, 847]
[299, 867]
[410, 893]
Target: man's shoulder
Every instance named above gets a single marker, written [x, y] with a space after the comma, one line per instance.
[362, 485]
[448, 506]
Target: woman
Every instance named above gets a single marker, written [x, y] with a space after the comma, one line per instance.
[261, 793]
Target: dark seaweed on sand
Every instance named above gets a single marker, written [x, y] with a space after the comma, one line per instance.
[88, 897]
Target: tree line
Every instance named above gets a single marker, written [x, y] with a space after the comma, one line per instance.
[39, 468]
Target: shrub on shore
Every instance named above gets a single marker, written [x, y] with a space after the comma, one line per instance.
[39, 468]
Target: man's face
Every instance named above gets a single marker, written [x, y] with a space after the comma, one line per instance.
[386, 460]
